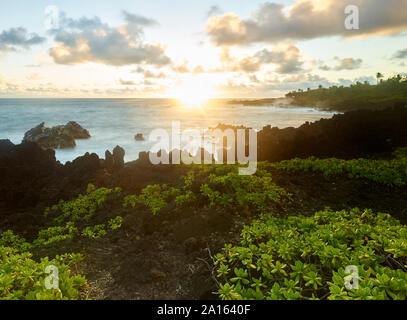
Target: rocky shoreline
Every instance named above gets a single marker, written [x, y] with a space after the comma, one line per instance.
[58, 137]
[30, 172]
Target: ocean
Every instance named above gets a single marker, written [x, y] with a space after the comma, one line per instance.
[114, 122]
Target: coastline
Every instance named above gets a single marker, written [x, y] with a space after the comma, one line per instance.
[156, 253]
[116, 122]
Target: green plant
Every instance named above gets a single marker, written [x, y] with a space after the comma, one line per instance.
[116, 223]
[68, 214]
[17, 243]
[305, 258]
[95, 232]
[22, 278]
[54, 234]
[388, 172]
[251, 193]
[184, 199]
[154, 197]
[400, 153]
[216, 185]
[81, 208]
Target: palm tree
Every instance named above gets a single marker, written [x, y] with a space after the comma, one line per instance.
[379, 76]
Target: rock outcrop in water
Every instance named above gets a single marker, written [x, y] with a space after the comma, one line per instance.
[139, 137]
[58, 137]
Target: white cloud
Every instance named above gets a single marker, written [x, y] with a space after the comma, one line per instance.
[181, 68]
[286, 57]
[342, 64]
[307, 19]
[348, 64]
[148, 74]
[126, 82]
[91, 40]
[34, 77]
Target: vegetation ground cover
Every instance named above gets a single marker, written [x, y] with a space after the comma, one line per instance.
[273, 252]
[305, 258]
[389, 172]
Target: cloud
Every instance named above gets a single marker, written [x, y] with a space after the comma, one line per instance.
[126, 82]
[287, 57]
[33, 65]
[228, 29]
[324, 67]
[232, 86]
[342, 64]
[348, 64]
[148, 74]
[138, 20]
[1, 79]
[135, 91]
[278, 86]
[17, 38]
[307, 19]
[9, 88]
[401, 54]
[213, 10]
[181, 68]
[247, 64]
[199, 70]
[34, 76]
[43, 90]
[134, 83]
[91, 40]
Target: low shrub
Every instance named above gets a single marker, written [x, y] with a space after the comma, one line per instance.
[22, 278]
[155, 197]
[253, 193]
[306, 257]
[214, 185]
[387, 172]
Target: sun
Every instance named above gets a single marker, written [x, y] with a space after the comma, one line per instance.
[193, 92]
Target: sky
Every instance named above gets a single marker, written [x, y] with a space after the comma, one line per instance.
[196, 49]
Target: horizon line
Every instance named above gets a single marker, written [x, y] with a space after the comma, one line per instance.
[141, 98]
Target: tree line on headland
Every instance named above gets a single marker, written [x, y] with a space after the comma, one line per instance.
[355, 97]
[358, 96]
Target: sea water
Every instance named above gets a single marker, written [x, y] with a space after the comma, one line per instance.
[113, 122]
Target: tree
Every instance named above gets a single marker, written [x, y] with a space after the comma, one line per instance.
[379, 76]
